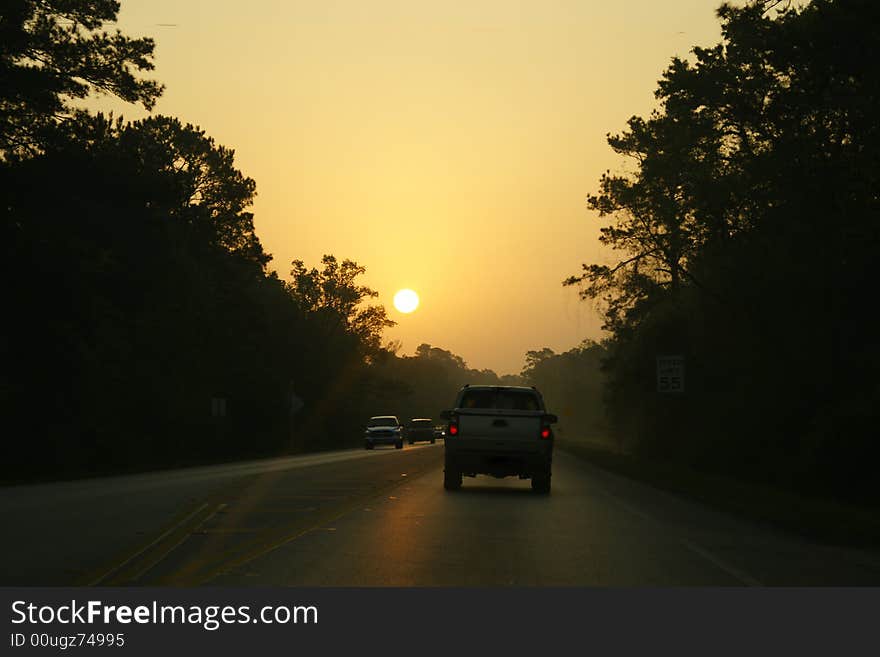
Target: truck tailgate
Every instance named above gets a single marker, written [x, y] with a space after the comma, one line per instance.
[499, 430]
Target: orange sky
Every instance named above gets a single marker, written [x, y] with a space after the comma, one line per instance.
[446, 146]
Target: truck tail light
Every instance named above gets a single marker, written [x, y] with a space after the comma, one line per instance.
[453, 429]
[545, 432]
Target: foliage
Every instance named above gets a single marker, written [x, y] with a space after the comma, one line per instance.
[54, 52]
[572, 384]
[139, 291]
[430, 379]
[131, 307]
[747, 232]
[333, 297]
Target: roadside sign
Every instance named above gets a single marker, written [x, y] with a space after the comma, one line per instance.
[670, 373]
[296, 404]
[218, 407]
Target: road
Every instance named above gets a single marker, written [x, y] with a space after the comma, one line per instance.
[382, 518]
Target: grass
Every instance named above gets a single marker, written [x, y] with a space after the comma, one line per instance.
[825, 520]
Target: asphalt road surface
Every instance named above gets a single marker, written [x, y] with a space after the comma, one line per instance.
[382, 518]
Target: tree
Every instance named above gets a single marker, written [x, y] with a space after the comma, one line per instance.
[747, 234]
[334, 298]
[423, 384]
[135, 274]
[664, 213]
[769, 137]
[53, 52]
[443, 357]
[535, 358]
[191, 180]
[208, 192]
[572, 386]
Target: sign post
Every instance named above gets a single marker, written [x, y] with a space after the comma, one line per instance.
[296, 404]
[218, 407]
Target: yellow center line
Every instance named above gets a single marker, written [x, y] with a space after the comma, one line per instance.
[156, 561]
[113, 570]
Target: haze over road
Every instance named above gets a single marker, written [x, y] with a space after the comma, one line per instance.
[382, 518]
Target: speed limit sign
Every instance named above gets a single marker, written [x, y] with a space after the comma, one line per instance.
[670, 373]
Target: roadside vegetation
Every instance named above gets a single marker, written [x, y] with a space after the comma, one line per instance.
[143, 325]
[747, 228]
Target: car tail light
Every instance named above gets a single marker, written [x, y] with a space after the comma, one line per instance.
[545, 432]
[453, 429]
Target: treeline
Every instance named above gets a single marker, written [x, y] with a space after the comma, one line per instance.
[142, 326]
[573, 386]
[431, 377]
[749, 232]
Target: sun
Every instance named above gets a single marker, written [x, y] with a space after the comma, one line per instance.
[406, 301]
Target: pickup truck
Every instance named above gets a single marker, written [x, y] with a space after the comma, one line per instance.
[383, 430]
[500, 431]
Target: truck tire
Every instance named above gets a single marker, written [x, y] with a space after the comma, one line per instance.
[451, 478]
[398, 444]
[541, 483]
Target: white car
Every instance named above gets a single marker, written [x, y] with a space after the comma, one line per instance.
[383, 430]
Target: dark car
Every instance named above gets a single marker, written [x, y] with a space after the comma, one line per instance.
[420, 428]
[383, 430]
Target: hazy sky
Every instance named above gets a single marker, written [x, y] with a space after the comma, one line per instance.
[446, 146]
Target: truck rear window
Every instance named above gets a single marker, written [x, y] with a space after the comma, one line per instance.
[512, 400]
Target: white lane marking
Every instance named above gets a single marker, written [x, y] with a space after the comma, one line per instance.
[156, 540]
[628, 507]
[715, 560]
[736, 573]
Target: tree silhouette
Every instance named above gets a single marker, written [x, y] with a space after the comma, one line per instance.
[333, 296]
[747, 235]
[56, 51]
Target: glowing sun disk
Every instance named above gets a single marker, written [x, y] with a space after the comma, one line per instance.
[406, 301]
